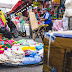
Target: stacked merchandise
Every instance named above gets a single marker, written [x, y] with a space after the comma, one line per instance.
[22, 52]
[68, 6]
[56, 13]
[61, 12]
[58, 25]
[14, 55]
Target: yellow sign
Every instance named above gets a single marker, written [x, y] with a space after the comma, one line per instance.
[55, 1]
[36, 4]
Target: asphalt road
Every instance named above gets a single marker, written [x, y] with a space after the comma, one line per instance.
[30, 68]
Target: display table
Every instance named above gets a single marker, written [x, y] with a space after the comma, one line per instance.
[0, 35]
[58, 52]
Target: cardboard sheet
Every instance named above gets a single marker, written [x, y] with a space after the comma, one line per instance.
[33, 21]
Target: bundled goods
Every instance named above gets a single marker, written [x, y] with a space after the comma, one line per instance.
[30, 53]
[3, 48]
[31, 60]
[31, 57]
[30, 45]
[6, 42]
[28, 48]
[14, 55]
[58, 25]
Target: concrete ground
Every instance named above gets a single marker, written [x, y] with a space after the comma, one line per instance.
[36, 68]
[32, 68]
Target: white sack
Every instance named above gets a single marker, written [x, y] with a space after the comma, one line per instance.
[68, 12]
[68, 4]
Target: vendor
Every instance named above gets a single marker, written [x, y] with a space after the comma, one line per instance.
[47, 19]
[3, 29]
[36, 12]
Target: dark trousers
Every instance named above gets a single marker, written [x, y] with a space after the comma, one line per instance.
[5, 32]
[49, 27]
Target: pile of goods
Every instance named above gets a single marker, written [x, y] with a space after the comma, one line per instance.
[22, 52]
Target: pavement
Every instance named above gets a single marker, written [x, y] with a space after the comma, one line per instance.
[28, 68]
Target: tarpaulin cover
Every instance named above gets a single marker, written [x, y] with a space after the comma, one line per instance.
[64, 34]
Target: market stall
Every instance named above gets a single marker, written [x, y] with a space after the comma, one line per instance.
[58, 52]
[22, 52]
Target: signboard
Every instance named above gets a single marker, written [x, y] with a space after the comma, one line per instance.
[36, 4]
[55, 1]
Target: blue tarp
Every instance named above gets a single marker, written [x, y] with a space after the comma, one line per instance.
[62, 35]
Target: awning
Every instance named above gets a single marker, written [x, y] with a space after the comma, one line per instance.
[16, 6]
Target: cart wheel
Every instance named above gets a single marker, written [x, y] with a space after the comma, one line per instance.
[20, 33]
[24, 34]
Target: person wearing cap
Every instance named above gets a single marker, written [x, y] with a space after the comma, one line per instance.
[3, 29]
[36, 12]
[47, 19]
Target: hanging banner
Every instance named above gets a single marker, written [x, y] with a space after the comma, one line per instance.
[36, 4]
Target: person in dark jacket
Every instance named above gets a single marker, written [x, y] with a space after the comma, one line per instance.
[3, 29]
[10, 24]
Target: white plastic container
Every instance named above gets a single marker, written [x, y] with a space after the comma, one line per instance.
[27, 28]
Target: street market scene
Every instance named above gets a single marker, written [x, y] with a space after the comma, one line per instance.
[35, 35]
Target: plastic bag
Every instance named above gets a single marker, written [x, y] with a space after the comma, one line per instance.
[39, 47]
[31, 60]
[57, 25]
[30, 53]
